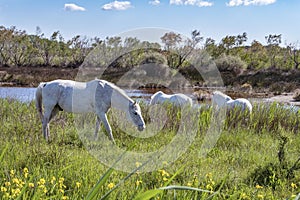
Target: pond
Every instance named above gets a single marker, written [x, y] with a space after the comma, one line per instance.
[28, 94]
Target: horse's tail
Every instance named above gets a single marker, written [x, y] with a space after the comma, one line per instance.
[39, 98]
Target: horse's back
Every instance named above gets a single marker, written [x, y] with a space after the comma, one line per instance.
[71, 96]
[181, 99]
[243, 103]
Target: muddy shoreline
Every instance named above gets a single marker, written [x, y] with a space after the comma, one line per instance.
[275, 85]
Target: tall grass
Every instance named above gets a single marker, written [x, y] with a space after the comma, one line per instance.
[251, 159]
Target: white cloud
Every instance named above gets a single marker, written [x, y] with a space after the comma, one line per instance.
[200, 3]
[117, 5]
[249, 2]
[154, 2]
[73, 7]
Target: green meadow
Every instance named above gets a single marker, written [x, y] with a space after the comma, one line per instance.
[255, 157]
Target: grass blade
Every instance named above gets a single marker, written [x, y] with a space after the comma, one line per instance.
[148, 194]
[92, 194]
[3, 152]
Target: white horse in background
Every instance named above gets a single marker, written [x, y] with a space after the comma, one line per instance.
[224, 101]
[176, 99]
[96, 96]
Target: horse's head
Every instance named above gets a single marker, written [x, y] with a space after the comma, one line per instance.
[136, 115]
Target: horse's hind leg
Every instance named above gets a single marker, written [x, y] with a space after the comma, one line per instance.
[50, 112]
[97, 127]
[55, 110]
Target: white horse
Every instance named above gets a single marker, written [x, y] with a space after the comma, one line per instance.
[96, 96]
[224, 101]
[176, 99]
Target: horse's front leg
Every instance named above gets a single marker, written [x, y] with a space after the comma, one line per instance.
[103, 118]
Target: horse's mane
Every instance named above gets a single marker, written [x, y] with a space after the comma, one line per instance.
[116, 88]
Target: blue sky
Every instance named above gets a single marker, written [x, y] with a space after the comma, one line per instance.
[101, 18]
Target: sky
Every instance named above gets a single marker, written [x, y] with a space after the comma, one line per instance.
[101, 18]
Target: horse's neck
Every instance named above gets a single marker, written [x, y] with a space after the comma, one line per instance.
[120, 100]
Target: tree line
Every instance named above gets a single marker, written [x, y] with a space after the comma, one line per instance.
[17, 48]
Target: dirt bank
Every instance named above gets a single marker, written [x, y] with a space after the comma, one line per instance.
[264, 81]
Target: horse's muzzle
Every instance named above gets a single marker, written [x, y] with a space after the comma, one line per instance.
[141, 127]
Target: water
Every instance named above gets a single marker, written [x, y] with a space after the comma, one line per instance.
[28, 94]
[21, 94]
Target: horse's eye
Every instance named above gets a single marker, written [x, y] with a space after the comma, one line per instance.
[135, 113]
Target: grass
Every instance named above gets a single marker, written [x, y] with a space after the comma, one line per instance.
[254, 158]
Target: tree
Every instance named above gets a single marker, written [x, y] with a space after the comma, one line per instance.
[257, 55]
[240, 39]
[273, 42]
[179, 50]
[171, 40]
[6, 36]
[79, 49]
[294, 53]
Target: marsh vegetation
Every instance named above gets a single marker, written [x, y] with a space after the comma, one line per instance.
[257, 158]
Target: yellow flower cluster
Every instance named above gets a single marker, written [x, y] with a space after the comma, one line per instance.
[17, 182]
[210, 184]
[164, 174]
[110, 185]
[138, 182]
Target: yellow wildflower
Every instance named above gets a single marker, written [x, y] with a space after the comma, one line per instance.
[165, 179]
[3, 189]
[25, 170]
[209, 187]
[110, 185]
[164, 173]
[65, 198]
[61, 191]
[78, 184]
[42, 187]
[61, 180]
[138, 182]
[244, 196]
[41, 181]
[189, 184]
[209, 175]
[293, 185]
[258, 186]
[137, 164]
[16, 192]
[53, 179]
[31, 185]
[15, 180]
[260, 196]
[12, 172]
[7, 184]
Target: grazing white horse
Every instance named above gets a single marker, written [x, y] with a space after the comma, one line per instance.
[224, 101]
[175, 99]
[96, 96]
